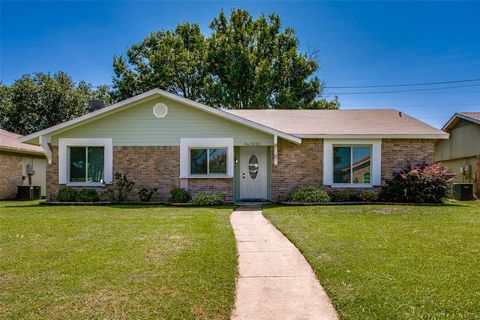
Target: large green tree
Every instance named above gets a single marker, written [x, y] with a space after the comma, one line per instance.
[243, 63]
[171, 60]
[38, 101]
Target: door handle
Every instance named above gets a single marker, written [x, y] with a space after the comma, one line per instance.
[243, 175]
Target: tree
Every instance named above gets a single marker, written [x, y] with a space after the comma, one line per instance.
[38, 101]
[244, 63]
[171, 60]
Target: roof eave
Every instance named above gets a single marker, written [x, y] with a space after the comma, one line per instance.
[459, 116]
[374, 136]
[125, 103]
[22, 151]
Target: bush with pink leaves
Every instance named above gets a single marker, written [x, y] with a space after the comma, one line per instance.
[418, 183]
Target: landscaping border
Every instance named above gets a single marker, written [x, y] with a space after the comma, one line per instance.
[105, 203]
[358, 203]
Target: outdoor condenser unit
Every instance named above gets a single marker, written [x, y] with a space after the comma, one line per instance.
[463, 191]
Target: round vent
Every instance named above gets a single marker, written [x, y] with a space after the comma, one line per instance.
[160, 110]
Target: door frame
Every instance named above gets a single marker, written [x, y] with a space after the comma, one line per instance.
[237, 173]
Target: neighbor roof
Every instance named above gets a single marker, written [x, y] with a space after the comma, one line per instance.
[318, 123]
[9, 142]
[469, 116]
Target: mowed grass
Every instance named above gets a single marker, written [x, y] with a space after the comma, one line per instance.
[116, 262]
[391, 262]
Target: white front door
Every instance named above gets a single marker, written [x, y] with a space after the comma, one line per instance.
[253, 173]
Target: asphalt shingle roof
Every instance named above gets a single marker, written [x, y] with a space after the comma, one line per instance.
[339, 122]
[473, 115]
[9, 141]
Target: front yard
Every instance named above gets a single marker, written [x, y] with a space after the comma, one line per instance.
[115, 262]
[391, 262]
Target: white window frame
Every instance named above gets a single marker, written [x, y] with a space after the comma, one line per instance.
[186, 144]
[208, 161]
[64, 159]
[375, 165]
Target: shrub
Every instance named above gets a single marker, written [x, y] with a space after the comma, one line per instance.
[146, 194]
[368, 196]
[309, 195]
[120, 188]
[88, 195]
[418, 183]
[178, 195]
[342, 196]
[67, 194]
[207, 199]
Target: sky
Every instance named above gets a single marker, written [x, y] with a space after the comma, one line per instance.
[358, 44]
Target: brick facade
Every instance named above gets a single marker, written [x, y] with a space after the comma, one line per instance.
[11, 172]
[224, 186]
[396, 152]
[298, 165]
[302, 165]
[52, 174]
[152, 166]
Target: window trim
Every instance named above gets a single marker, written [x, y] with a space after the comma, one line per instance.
[64, 157]
[208, 161]
[186, 144]
[375, 166]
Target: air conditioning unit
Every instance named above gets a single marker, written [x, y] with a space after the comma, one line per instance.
[463, 191]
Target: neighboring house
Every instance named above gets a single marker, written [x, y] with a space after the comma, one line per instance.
[17, 160]
[461, 153]
[162, 140]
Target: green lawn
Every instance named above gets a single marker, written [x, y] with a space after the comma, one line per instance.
[391, 262]
[115, 262]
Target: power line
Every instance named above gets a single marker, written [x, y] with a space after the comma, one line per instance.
[409, 105]
[412, 90]
[402, 85]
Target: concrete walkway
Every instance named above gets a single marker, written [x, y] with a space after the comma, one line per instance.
[275, 281]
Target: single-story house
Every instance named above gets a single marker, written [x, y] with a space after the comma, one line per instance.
[20, 164]
[461, 153]
[162, 140]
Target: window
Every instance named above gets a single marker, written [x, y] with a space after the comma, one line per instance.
[352, 164]
[86, 164]
[207, 161]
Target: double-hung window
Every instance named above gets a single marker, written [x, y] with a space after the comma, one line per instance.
[208, 161]
[352, 164]
[86, 164]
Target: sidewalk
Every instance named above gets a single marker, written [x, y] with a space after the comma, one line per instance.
[275, 281]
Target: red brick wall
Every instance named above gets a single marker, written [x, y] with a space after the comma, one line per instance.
[11, 171]
[52, 174]
[224, 186]
[302, 165]
[149, 167]
[396, 152]
[298, 165]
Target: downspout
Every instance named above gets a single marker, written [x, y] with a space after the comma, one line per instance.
[275, 150]
[46, 148]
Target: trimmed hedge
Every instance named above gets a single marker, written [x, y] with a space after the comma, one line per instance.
[309, 195]
[87, 195]
[178, 195]
[207, 199]
[67, 194]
